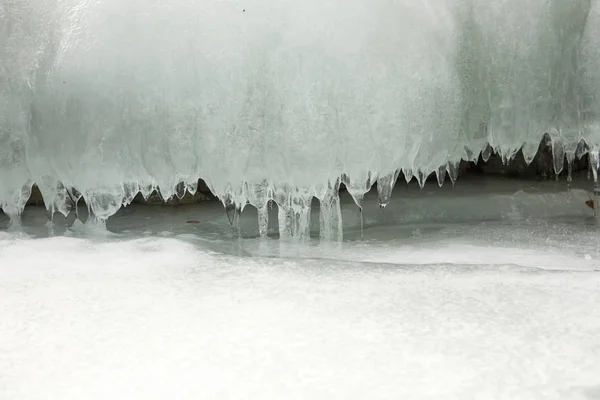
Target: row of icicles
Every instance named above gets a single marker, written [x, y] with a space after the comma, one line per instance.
[294, 204]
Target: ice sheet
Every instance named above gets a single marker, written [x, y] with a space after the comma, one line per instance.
[160, 317]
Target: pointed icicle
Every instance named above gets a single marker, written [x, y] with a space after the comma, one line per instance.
[285, 217]
[259, 196]
[14, 204]
[581, 149]
[263, 222]
[331, 214]
[529, 150]
[285, 213]
[408, 174]
[594, 155]
[469, 155]
[237, 219]
[422, 177]
[558, 155]
[570, 160]
[230, 210]
[440, 173]
[486, 153]
[359, 202]
[147, 191]
[56, 196]
[75, 196]
[385, 185]
[301, 206]
[130, 190]
[192, 187]
[180, 190]
[452, 168]
[357, 189]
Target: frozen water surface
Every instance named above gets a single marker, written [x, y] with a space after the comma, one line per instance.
[433, 303]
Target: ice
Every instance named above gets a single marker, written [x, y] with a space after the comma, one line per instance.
[109, 98]
[452, 169]
[489, 290]
[385, 185]
[330, 213]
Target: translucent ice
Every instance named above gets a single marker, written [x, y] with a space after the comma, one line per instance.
[282, 100]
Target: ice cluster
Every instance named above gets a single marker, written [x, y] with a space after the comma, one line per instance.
[284, 100]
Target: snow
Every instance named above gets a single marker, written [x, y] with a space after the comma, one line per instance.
[442, 306]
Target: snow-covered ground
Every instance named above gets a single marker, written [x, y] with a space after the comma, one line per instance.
[486, 291]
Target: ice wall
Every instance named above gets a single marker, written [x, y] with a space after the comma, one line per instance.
[284, 99]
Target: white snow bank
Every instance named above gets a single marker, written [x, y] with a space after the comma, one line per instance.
[162, 318]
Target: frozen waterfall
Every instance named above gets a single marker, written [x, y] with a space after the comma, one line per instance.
[284, 100]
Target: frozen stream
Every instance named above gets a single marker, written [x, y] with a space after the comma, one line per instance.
[474, 293]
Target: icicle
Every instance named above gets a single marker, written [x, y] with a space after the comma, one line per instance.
[192, 187]
[75, 196]
[422, 177]
[237, 219]
[595, 165]
[408, 174]
[362, 223]
[301, 208]
[90, 215]
[104, 203]
[131, 190]
[452, 168]
[357, 189]
[486, 153]
[147, 191]
[180, 190]
[469, 155]
[440, 173]
[385, 186]
[263, 221]
[331, 214]
[581, 149]
[15, 205]
[258, 195]
[285, 213]
[570, 159]
[529, 150]
[558, 155]
[230, 212]
[55, 195]
[14, 216]
[285, 219]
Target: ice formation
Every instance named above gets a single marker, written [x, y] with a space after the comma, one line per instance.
[281, 100]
